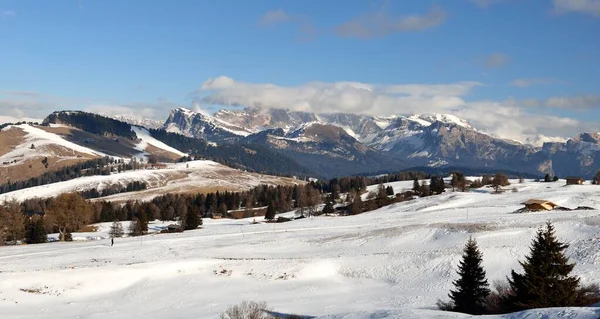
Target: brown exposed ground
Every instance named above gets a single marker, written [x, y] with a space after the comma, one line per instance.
[162, 155]
[10, 138]
[33, 168]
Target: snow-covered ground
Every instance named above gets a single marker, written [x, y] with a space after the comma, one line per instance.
[394, 262]
[193, 176]
[147, 139]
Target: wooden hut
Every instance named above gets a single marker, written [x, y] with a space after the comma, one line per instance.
[574, 180]
[539, 205]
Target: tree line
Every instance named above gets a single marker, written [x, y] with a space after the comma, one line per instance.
[114, 189]
[5, 125]
[92, 123]
[545, 282]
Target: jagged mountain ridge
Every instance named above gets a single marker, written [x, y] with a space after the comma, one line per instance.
[425, 139]
[326, 149]
[203, 126]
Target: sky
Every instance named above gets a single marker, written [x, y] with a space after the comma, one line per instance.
[515, 68]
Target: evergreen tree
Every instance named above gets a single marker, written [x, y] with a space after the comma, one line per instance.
[270, 215]
[555, 178]
[192, 220]
[328, 209]
[416, 186]
[143, 221]
[335, 193]
[389, 191]
[36, 231]
[471, 289]
[547, 178]
[545, 281]
[116, 230]
[437, 185]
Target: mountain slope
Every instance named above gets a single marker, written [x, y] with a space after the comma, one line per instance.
[327, 150]
[28, 151]
[204, 126]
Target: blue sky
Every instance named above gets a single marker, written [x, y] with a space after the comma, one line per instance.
[490, 60]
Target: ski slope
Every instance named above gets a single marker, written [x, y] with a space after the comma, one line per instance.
[394, 262]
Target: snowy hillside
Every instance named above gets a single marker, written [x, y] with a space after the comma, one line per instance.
[190, 177]
[394, 262]
[45, 144]
[148, 140]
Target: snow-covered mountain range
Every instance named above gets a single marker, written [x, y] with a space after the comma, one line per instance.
[400, 140]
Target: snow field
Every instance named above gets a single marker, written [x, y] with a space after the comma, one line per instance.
[391, 263]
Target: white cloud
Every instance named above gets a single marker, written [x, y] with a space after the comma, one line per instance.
[320, 97]
[274, 17]
[582, 102]
[112, 110]
[33, 104]
[585, 102]
[591, 7]
[510, 119]
[497, 60]
[379, 24]
[527, 82]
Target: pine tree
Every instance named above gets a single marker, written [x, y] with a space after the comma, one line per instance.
[192, 220]
[471, 289]
[270, 215]
[416, 186]
[555, 178]
[547, 178]
[389, 191]
[116, 230]
[328, 209]
[437, 185]
[545, 281]
[143, 222]
[335, 192]
[36, 231]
